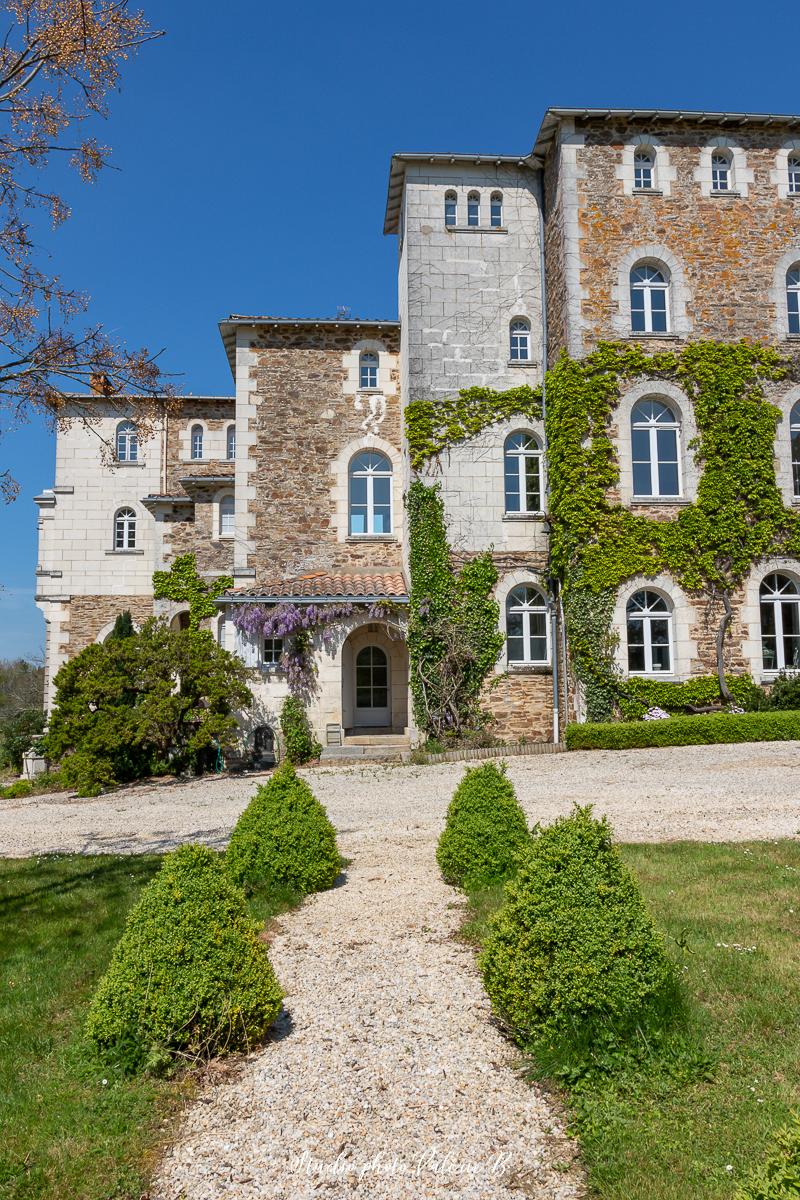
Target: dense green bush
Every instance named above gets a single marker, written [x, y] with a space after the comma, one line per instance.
[784, 695]
[17, 734]
[189, 976]
[573, 955]
[485, 830]
[299, 743]
[779, 1177]
[284, 837]
[19, 788]
[704, 729]
[673, 697]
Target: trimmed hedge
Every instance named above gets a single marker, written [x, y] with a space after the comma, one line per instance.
[674, 697]
[573, 956]
[189, 975]
[779, 1177]
[485, 830]
[706, 729]
[284, 836]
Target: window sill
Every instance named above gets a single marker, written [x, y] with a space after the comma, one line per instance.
[124, 551]
[524, 516]
[668, 500]
[271, 669]
[792, 337]
[529, 669]
[371, 537]
[376, 391]
[723, 194]
[224, 538]
[662, 676]
[647, 192]
[476, 228]
[660, 337]
[124, 463]
[521, 362]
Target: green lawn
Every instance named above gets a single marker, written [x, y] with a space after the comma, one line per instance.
[70, 1127]
[677, 1130]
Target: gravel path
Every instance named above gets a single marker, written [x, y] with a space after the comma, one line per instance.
[710, 793]
[386, 1079]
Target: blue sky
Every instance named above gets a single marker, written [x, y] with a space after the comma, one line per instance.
[252, 145]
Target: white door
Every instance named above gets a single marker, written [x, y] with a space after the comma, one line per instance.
[372, 687]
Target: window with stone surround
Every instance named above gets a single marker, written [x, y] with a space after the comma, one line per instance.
[527, 627]
[370, 487]
[523, 474]
[127, 442]
[721, 171]
[649, 633]
[793, 298]
[496, 210]
[794, 436]
[196, 442]
[520, 340]
[655, 449]
[125, 529]
[779, 598]
[644, 169]
[227, 516]
[793, 174]
[450, 208]
[473, 210]
[368, 371]
[230, 445]
[650, 299]
[271, 653]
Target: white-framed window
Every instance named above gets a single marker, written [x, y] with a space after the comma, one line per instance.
[230, 443]
[649, 630]
[473, 209]
[779, 598]
[794, 437]
[644, 165]
[520, 340]
[793, 174]
[227, 516]
[271, 652]
[368, 370]
[450, 208]
[793, 298]
[125, 529]
[649, 299]
[721, 171]
[523, 473]
[196, 441]
[527, 626]
[655, 449]
[127, 443]
[370, 494]
[496, 210]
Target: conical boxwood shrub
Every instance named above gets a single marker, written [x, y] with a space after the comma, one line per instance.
[485, 830]
[189, 974]
[573, 953]
[284, 837]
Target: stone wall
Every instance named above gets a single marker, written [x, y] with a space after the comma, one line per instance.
[90, 616]
[521, 706]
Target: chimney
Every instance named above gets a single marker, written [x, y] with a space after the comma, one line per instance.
[100, 384]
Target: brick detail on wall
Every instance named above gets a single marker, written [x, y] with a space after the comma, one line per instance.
[521, 706]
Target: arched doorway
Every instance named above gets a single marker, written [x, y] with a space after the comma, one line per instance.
[373, 706]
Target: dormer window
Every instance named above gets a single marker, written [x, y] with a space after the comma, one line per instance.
[473, 210]
[644, 162]
[368, 371]
[721, 171]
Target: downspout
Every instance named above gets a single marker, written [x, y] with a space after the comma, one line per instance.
[555, 609]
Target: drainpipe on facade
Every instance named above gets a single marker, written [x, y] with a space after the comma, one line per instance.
[555, 609]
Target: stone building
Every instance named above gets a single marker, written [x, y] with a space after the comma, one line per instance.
[646, 226]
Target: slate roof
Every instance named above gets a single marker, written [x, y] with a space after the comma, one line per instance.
[326, 586]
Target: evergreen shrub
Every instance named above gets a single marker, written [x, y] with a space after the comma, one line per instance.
[573, 957]
[485, 830]
[284, 837]
[189, 976]
[299, 744]
[703, 729]
[779, 1177]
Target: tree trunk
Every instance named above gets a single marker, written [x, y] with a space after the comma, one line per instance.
[727, 617]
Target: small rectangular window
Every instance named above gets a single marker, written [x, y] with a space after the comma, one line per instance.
[272, 651]
[473, 210]
[496, 212]
[450, 209]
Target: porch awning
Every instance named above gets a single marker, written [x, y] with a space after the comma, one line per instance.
[323, 587]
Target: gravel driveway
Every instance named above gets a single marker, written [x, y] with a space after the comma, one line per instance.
[710, 793]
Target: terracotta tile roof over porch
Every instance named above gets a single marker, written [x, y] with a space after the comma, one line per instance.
[323, 586]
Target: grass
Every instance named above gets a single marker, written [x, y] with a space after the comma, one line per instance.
[695, 1116]
[70, 1126]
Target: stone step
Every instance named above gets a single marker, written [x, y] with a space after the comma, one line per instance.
[377, 739]
[348, 753]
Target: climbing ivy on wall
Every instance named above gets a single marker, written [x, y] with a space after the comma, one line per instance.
[737, 518]
[182, 584]
[433, 425]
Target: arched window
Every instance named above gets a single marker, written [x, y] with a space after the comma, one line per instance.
[721, 171]
[649, 621]
[780, 623]
[496, 210]
[231, 442]
[794, 434]
[450, 202]
[127, 448]
[793, 298]
[649, 299]
[368, 370]
[520, 340]
[125, 529]
[370, 494]
[473, 209]
[644, 164]
[793, 174]
[527, 626]
[227, 516]
[197, 441]
[523, 469]
[655, 449]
